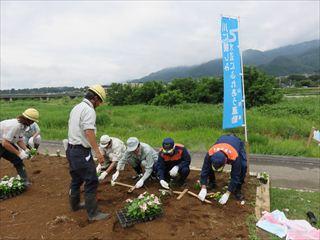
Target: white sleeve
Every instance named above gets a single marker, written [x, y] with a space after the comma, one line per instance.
[10, 133]
[88, 119]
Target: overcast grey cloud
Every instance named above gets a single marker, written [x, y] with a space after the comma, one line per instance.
[78, 43]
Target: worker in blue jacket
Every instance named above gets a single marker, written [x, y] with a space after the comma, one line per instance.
[228, 149]
[173, 162]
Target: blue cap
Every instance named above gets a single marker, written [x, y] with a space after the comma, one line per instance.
[218, 159]
[168, 145]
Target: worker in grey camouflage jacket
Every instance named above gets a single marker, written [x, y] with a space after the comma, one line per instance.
[138, 155]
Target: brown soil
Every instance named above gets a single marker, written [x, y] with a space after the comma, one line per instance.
[42, 212]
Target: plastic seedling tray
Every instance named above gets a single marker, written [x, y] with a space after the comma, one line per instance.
[126, 221]
[11, 194]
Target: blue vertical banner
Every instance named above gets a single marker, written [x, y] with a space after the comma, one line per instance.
[232, 74]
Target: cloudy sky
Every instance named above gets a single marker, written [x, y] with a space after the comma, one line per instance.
[78, 43]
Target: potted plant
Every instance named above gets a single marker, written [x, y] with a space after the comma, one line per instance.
[145, 207]
[263, 177]
[10, 187]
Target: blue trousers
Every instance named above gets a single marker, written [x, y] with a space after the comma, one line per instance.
[82, 169]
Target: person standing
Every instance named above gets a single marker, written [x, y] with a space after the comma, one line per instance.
[81, 139]
[228, 149]
[112, 149]
[11, 136]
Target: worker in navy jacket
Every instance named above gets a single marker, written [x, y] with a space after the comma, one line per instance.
[173, 162]
[228, 149]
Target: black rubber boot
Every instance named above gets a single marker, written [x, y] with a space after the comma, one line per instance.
[74, 200]
[23, 174]
[92, 208]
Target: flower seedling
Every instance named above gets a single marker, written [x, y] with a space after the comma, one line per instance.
[197, 186]
[11, 185]
[263, 177]
[216, 196]
[144, 206]
[32, 152]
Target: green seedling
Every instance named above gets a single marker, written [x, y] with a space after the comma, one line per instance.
[263, 177]
[46, 152]
[197, 186]
[216, 196]
[32, 152]
[58, 153]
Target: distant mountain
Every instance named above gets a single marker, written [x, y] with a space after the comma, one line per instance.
[292, 59]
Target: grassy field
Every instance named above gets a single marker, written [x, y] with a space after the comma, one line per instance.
[280, 129]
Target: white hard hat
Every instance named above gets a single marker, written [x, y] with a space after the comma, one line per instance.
[132, 144]
[104, 141]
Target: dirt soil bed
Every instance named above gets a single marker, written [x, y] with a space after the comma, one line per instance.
[42, 212]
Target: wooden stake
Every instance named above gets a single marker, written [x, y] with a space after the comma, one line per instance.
[181, 194]
[123, 184]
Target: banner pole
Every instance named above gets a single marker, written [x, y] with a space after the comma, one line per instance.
[244, 106]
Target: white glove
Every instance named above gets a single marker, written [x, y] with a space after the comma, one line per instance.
[98, 168]
[164, 184]
[23, 155]
[31, 142]
[140, 183]
[202, 194]
[224, 198]
[115, 176]
[174, 171]
[102, 175]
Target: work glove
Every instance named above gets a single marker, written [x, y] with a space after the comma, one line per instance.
[223, 200]
[31, 142]
[139, 184]
[164, 184]
[174, 171]
[115, 176]
[102, 176]
[202, 194]
[98, 168]
[23, 155]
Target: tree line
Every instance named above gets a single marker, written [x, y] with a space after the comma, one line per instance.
[259, 89]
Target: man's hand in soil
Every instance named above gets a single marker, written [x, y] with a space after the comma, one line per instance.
[23, 155]
[98, 168]
[203, 193]
[223, 200]
[164, 184]
[102, 176]
[115, 176]
[139, 184]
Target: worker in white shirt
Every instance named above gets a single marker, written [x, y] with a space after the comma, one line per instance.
[12, 147]
[81, 140]
[112, 149]
[32, 137]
